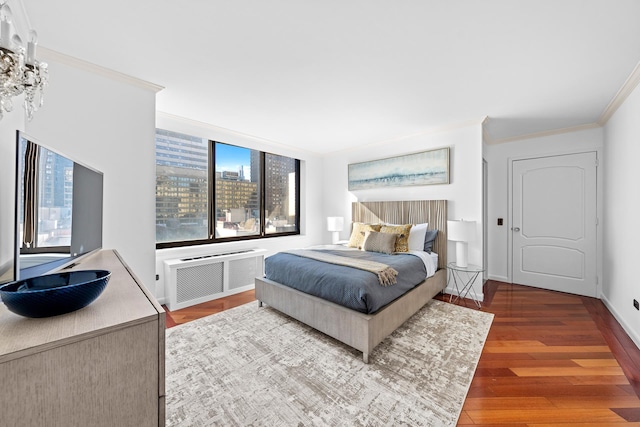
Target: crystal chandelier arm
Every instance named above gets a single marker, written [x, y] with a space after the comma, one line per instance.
[31, 47]
[19, 74]
[5, 26]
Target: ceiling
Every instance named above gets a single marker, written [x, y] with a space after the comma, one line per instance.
[335, 74]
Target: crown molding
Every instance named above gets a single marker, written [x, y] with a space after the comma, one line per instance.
[623, 93]
[52, 55]
[543, 133]
[486, 138]
[197, 123]
[204, 125]
[618, 99]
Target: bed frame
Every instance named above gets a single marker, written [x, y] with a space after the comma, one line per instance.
[359, 330]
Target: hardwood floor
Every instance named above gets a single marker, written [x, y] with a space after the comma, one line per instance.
[194, 312]
[551, 359]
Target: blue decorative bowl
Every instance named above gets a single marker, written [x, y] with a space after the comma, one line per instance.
[54, 294]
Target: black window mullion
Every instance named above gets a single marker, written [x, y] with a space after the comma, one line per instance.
[263, 195]
[298, 196]
[212, 191]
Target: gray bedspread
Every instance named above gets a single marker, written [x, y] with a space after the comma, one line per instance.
[349, 287]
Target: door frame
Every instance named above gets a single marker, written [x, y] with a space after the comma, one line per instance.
[485, 220]
[599, 208]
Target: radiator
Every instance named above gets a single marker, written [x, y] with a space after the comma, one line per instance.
[203, 278]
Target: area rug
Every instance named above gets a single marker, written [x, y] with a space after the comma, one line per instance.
[252, 366]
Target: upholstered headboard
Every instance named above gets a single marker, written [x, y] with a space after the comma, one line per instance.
[433, 212]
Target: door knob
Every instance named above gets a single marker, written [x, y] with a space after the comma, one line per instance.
[515, 228]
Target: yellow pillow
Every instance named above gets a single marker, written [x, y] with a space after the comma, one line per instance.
[402, 242]
[357, 233]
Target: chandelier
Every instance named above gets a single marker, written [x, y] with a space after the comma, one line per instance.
[20, 72]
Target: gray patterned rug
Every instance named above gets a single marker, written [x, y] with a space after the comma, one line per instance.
[252, 366]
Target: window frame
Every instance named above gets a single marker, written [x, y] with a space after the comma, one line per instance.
[35, 201]
[211, 194]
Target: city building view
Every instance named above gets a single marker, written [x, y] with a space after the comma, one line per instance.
[280, 201]
[182, 190]
[182, 202]
[54, 190]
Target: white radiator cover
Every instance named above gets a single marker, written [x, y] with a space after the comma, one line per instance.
[194, 280]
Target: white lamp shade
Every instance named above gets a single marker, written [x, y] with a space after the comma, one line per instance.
[335, 223]
[461, 231]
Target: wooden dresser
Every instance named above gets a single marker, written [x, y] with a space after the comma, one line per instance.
[102, 365]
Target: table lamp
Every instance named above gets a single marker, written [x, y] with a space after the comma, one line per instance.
[462, 232]
[335, 224]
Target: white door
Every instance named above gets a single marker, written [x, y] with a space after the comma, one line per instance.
[554, 223]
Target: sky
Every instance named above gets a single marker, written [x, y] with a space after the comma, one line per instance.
[230, 157]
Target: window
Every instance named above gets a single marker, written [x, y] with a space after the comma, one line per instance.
[44, 215]
[208, 192]
[182, 190]
[280, 199]
[237, 191]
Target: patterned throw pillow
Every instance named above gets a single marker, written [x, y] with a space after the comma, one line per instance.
[402, 242]
[379, 242]
[357, 233]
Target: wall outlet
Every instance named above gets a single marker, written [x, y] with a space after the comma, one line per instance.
[157, 277]
[636, 305]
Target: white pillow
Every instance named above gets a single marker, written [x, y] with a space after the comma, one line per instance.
[416, 237]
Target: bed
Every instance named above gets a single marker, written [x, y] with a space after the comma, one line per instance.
[363, 331]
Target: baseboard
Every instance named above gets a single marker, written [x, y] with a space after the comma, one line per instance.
[471, 295]
[632, 334]
[161, 301]
[499, 278]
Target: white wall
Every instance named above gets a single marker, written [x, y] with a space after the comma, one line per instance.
[107, 124]
[622, 204]
[311, 183]
[464, 192]
[499, 157]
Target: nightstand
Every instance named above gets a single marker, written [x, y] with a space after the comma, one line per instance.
[463, 279]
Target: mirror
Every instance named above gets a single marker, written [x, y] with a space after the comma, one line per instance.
[58, 209]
